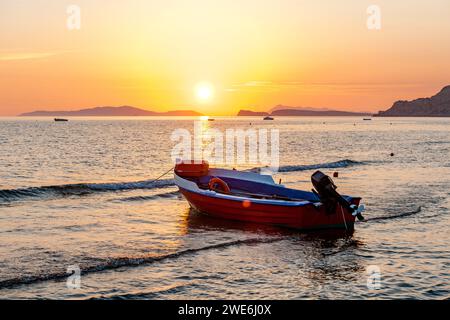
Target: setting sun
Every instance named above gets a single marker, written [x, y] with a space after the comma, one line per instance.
[204, 91]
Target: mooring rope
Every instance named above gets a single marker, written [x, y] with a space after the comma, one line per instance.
[165, 173]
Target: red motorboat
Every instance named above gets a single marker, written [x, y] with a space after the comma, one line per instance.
[252, 197]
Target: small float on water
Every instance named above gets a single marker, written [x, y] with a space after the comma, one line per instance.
[268, 118]
[61, 120]
[252, 197]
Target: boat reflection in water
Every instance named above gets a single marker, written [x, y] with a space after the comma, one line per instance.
[310, 260]
[197, 222]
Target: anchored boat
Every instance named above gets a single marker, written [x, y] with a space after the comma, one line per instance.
[252, 197]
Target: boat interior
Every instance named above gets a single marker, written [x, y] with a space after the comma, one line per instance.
[244, 184]
[256, 189]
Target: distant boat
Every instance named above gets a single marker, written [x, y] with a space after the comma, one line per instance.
[210, 119]
[367, 119]
[269, 118]
[61, 120]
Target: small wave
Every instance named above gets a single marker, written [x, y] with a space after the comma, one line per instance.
[395, 216]
[166, 195]
[439, 142]
[121, 262]
[66, 190]
[173, 288]
[148, 184]
[327, 165]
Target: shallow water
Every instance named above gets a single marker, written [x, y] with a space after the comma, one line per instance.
[83, 193]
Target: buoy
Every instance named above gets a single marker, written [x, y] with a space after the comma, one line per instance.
[218, 185]
[279, 182]
[336, 174]
[392, 154]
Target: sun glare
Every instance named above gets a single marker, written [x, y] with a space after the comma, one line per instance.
[204, 91]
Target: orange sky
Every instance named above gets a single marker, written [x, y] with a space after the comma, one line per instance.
[255, 54]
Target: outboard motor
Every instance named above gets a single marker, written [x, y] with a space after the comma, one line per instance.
[325, 189]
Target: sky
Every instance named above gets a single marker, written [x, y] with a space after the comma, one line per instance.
[220, 56]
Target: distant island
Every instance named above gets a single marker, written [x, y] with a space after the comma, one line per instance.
[248, 113]
[436, 106]
[123, 111]
[286, 111]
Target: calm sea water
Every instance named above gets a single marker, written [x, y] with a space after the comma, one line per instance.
[82, 194]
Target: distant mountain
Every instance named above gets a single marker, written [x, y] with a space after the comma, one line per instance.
[436, 106]
[124, 111]
[248, 113]
[283, 107]
[301, 112]
[308, 113]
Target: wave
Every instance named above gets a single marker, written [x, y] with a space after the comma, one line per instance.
[81, 189]
[432, 142]
[172, 288]
[327, 165]
[121, 262]
[395, 216]
[165, 195]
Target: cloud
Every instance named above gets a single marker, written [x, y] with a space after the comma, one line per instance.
[26, 55]
[273, 86]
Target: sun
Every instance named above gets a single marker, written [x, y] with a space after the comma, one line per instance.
[204, 91]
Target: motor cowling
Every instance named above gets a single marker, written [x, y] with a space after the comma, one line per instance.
[326, 191]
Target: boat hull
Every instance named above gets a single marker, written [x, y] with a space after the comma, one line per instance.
[300, 217]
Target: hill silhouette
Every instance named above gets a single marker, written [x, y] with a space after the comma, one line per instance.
[435, 106]
[123, 111]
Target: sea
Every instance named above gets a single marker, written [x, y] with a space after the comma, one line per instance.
[89, 210]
